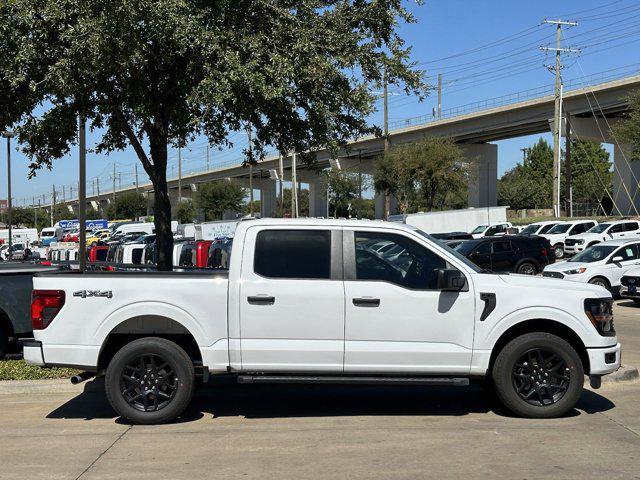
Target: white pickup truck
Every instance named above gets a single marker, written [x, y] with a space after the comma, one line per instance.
[320, 301]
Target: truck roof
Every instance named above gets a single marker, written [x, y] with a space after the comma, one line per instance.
[325, 222]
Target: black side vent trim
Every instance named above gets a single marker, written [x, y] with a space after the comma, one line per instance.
[489, 300]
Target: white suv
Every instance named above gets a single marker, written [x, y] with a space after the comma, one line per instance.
[563, 230]
[602, 264]
[539, 228]
[621, 229]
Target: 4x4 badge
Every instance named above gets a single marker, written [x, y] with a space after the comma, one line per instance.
[93, 293]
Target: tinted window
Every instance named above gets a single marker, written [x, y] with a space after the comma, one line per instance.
[101, 255]
[495, 229]
[628, 252]
[293, 254]
[617, 228]
[483, 249]
[136, 255]
[631, 226]
[407, 264]
[501, 247]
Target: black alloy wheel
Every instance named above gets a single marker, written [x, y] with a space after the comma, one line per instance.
[541, 377]
[148, 383]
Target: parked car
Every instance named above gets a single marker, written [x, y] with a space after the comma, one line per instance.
[308, 301]
[601, 233]
[527, 255]
[72, 236]
[559, 233]
[453, 236]
[220, 254]
[601, 264]
[98, 236]
[539, 228]
[49, 235]
[630, 285]
[97, 253]
[491, 230]
[15, 299]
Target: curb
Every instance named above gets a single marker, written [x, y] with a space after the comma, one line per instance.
[626, 373]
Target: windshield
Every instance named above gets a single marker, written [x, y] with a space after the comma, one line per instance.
[456, 254]
[46, 234]
[599, 228]
[593, 254]
[530, 230]
[479, 229]
[560, 228]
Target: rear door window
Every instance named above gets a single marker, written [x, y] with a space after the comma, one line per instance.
[501, 247]
[631, 226]
[304, 254]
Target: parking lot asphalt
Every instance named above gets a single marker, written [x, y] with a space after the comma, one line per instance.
[251, 431]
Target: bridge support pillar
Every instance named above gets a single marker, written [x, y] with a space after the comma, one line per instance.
[483, 170]
[268, 198]
[317, 197]
[379, 200]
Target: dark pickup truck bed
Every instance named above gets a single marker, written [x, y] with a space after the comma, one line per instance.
[16, 283]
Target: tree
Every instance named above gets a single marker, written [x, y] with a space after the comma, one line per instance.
[427, 174]
[129, 205]
[529, 185]
[185, 211]
[627, 130]
[151, 73]
[343, 189]
[303, 203]
[216, 198]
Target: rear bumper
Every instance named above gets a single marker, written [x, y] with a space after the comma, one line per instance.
[604, 360]
[32, 352]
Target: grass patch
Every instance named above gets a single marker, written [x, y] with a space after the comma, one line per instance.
[20, 370]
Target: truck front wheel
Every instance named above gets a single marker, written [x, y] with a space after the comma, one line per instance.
[150, 381]
[538, 375]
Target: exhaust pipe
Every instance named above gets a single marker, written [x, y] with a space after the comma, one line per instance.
[81, 377]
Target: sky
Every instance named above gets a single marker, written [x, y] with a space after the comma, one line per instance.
[484, 49]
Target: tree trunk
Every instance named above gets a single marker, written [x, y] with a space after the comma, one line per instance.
[161, 203]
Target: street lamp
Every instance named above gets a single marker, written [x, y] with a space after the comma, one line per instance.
[9, 135]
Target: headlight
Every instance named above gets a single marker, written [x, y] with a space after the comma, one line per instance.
[579, 242]
[576, 271]
[600, 312]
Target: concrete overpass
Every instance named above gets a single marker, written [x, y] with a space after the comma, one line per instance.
[593, 109]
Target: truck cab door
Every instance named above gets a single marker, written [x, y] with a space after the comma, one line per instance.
[291, 301]
[397, 321]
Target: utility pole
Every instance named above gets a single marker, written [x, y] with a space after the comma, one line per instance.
[98, 195]
[567, 164]
[179, 174]
[524, 151]
[114, 182]
[207, 148]
[557, 117]
[250, 155]
[137, 185]
[385, 109]
[439, 96]
[64, 194]
[9, 135]
[53, 202]
[82, 194]
[294, 187]
[35, 213]
[281, 176]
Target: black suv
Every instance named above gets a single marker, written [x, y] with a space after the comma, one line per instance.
[511, 253]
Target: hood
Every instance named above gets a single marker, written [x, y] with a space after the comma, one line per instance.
[529, 281]
[564, 266]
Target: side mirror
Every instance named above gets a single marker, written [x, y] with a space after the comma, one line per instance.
[451, 280]
[617, 259]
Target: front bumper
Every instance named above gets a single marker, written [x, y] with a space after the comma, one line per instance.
[573, 249]
[604, 360]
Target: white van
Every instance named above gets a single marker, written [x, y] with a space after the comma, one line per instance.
[144, 228]
[49, 235]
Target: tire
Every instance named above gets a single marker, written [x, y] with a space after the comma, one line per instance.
[603, 282]
[518, 366]
[527, 268]
[558, 250]
[150, 360]
[4, 343]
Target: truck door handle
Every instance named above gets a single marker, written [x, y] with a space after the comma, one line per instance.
[366, 302]
[261, 300]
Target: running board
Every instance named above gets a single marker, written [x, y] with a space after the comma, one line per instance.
[434, 381]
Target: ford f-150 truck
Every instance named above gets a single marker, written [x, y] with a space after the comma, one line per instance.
[326, 301]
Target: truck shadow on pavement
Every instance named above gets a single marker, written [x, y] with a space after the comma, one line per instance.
[226, 399]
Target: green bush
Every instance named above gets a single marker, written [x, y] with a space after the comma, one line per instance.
[20, 370]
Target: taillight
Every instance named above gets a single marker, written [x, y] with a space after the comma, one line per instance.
[543, 252]
[45, 305]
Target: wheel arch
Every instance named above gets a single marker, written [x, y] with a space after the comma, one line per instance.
[541, 325]
[142, 326]
[603, 278]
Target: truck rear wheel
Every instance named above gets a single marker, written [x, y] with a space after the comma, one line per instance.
[538, 375]
[150, 381]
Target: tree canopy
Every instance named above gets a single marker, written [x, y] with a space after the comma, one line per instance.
[216, 198]
[128, 205]
[425, 175]
[153, 73]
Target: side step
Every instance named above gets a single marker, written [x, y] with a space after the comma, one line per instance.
[359, 380]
